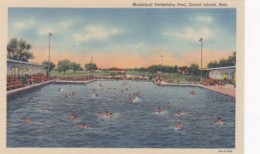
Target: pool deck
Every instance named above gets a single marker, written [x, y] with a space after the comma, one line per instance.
[228, 89]
[15, 91]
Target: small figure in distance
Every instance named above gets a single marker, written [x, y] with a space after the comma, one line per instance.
[100, 114]
[219, 121]
[83, 126]
[159, 110]
[28, 121]
[73, 116]
[179, 126]
[169, 105]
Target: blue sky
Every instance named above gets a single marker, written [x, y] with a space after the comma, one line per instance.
[125, 33]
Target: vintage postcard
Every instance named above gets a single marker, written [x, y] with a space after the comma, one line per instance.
[122, 76]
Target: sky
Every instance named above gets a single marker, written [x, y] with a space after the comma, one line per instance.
[126, 37]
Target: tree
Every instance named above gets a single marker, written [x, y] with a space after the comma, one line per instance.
[90, 66]
[48, 68]
[232, 59]
[213, 64]
[75, 67]
[194, 69]
[223, 63]
[153, 69]
[63, 66]
[19, 50]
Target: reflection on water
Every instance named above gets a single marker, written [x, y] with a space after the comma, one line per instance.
[132, 124]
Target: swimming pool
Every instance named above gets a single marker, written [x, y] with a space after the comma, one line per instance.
[132, 125]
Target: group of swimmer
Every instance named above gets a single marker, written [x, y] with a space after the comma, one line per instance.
[179, 112]
[131, 99]
[67, 94]
[106, 114]
[73, 117]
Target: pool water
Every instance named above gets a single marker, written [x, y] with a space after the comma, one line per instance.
[132, 125]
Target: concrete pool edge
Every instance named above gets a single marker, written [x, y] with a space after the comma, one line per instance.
[201, 86]
[29, 87]
[15, 91]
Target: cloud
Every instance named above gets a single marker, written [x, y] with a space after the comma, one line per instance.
[45, 31]
[67, 23]
[194, 34]
[96, 33]
[204, 19]
[20, 26]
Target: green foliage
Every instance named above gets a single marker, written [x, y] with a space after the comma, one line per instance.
[48, 67]
[194, 69]
[91, 66]
[19, 50]
[63, 66]
[213, 64]
[156, 68]
[75, 67]
[230, 61]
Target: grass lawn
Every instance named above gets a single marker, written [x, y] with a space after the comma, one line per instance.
[77, 73]
[168, 77]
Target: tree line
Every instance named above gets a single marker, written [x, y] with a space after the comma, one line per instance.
[230, 61]
[20, 50]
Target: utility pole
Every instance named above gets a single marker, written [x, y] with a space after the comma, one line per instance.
[201, 46]
[162, 62]
[50, 34]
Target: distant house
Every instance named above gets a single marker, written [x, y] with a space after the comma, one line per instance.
[20, 68]
[116, 70]
[222, 73]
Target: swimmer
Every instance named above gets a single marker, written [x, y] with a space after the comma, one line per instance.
[169, 105]
[179, 126]
[72, 93]
[96, 95]
[59, 89]
[100, 114]
[137, 94]
[83, 126]
[192, 93]
[28, 121]
[131, 99]
[108, 114]
[46, 109]
[159, 110]
[219, 121]
[179, 112]
[66, 95]
[73, 116]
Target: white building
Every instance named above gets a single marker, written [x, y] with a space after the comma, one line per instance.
[223, 73]
[20, 68]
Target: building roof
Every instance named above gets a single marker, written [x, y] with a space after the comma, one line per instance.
[220, 68]
[22, 62]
